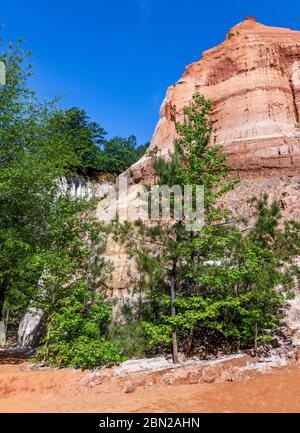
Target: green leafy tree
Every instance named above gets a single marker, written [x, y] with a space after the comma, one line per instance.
[117, 154]
[83, 139]
[27, 174]
[240, 293]
[73, 292]
[50, 245]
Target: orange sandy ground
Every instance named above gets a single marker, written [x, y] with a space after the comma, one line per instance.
[59, 391]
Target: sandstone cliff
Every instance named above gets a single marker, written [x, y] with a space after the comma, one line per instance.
[253, 81]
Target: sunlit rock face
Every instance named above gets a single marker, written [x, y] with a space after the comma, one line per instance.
[29, 328]
[82, 188]
[253, 81]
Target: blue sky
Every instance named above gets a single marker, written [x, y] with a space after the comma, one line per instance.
[115, 58]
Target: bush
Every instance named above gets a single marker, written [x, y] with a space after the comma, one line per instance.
[77, 328]
[243, 320]
[130, 339]
[80, 352]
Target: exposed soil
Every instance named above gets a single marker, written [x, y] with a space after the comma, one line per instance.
[67, 390]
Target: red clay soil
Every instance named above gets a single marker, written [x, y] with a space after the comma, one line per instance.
[24, 390]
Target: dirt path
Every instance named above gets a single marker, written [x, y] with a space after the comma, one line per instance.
[23, 390]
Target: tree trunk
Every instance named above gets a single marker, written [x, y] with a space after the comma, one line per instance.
[173, 313]
[2, 298]
[255, 339]
[190, 340]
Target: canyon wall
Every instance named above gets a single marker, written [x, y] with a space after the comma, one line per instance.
[253, 81]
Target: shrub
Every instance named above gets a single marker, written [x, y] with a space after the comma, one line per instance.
[80, 352]
[130, 339]
[77, 326]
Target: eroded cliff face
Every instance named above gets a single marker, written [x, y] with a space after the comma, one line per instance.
[253, 81]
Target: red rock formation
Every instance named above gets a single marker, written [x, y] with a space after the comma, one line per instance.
[253, 81]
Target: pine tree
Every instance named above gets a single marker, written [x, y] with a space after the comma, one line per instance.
[221, 279]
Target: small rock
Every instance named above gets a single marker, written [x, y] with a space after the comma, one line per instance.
[287, 331]
[296, 338]
[129, 389]
[193, 377]
[147, 364]
[297, 355]
[29, 367]
[181, 357]
[209, 379]
[209, 376]
[168, 381]
[227, 376]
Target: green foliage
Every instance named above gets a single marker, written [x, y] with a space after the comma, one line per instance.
[72, 287]
[158, 334]
[245, 319]
[76, 328]
[85, 149]
[81, 352]
[38, 144]
[129, 338]
[195, 162]
[28, 169]
[117, 154]
[82, 139]
[229, 279]
[50, 254]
